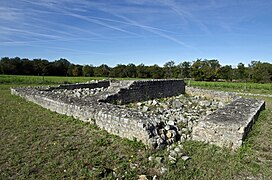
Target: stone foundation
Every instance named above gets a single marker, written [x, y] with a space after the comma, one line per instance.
[100, 103]
[97, 108]
[229, 125]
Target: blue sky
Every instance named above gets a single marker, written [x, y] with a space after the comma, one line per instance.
[137, 31]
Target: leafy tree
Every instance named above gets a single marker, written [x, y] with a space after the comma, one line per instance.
[215, 66]
[197, 70]
[70, 69]
[185, 68]
[142, 71]
[119, 71]
[39, 67]
[226, 72]
[102, 71]
[11, 65]
[131, 70]
[200, 69]
[169, 69]
[241, 69]
[87, 70]
[261, 72]
[27, 67]
[156, 71]
[205, 70]
[5, 65]
[77, 70]
[1, 68]
[60, 67]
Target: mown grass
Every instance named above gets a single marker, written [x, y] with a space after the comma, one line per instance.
[38, 143]
[18, 79]
[234, 86]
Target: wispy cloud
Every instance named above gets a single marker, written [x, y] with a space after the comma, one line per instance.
[10, 14]
[60, 7]
[184, 12]
[35, 34]
[117, 22]
[154, 30]
[103, 21]
[71, 26]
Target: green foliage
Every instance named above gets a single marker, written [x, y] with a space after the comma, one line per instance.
[142, 71]
[261, 72]
[169, 68]
[77, 70]
[205, 70]
[241, 69]
[87, 70]
[200, 70]
[156, 72]
[102, 71]
[119, 71]
[226, 73]
[185, 68]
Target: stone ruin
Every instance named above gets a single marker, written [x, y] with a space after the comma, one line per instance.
[155, 112]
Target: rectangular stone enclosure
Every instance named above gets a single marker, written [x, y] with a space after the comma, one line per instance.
[100, 103]
[229, 125]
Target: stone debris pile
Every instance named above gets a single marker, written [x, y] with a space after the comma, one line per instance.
[79, 93]
[182, 111]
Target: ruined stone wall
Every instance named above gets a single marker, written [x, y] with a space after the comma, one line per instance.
[211, 94]
[145, 90]
[121, 121]
[229, 125]
[115, 120]
[92, 85]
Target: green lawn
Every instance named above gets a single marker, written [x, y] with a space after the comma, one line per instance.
[16, 79]
[38, 143]
[247, 87]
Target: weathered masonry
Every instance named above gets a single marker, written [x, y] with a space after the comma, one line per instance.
[229, 125]
[100, 108]
[101, 102]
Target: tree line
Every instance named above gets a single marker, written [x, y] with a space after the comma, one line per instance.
[200, 70]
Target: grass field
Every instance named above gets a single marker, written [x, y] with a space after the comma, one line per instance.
[14, 79]
[234, 86]
[38, 143]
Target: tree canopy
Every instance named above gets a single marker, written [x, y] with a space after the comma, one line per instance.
[201, 69]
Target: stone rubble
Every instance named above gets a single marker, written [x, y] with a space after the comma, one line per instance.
[182, 111]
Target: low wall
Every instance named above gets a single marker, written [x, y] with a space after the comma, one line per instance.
[228, 126]
[211, 94]
[124, 122]
[97, 84]
[144, 90]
